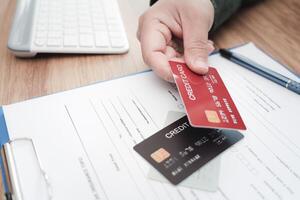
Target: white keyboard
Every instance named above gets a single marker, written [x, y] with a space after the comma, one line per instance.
[77, 26]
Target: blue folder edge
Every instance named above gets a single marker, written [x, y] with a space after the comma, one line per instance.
[4, 138]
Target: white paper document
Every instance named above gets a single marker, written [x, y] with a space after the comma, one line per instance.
[84, 138]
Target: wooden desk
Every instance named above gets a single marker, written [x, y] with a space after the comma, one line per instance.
[272, 25]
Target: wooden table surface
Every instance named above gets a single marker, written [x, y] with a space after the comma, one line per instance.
[273, 25]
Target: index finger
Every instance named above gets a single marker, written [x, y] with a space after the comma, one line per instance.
[154, 37]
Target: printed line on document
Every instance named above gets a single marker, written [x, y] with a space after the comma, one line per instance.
[143, 107]
[77, 133]
[111, 140]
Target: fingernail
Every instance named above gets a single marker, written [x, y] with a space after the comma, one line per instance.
[200, 63]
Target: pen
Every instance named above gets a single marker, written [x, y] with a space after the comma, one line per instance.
[260, 70]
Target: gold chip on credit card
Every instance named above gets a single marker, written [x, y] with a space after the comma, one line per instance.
[160, 155]
[212, 116]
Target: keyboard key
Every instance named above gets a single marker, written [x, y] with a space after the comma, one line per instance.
[110, 15]
[70, 41]
[55, 27]
[55, 34]
[70, 25]
[99, 21]
[85, 23]
[113, 27]
[115, 34]
[86, 41]
[102, 39]
[108, 7]
[83, 13]
[55, 20]
[98, 15]
[42, 27]
[117, 42]
[85, 30]
[70, 31]
[100, 27]
[42, 21]
[113, 21]
[70, 18]
[40, 42]
[54, 42]
[41, 34]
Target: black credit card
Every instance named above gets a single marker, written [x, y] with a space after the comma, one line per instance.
[179, 149]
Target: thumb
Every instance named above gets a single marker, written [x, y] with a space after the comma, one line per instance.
[196, 45]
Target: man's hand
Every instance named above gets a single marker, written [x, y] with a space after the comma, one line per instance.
[166, 20]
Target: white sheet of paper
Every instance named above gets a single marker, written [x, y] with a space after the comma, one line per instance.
[84, 138]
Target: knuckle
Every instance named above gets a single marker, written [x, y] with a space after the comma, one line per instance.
[197, 45]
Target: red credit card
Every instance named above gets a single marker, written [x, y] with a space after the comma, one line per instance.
[206, 99]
